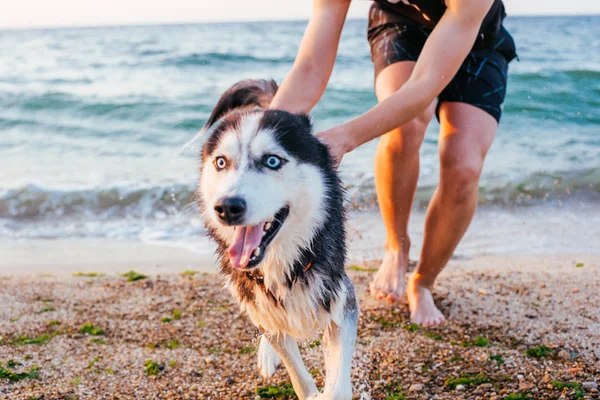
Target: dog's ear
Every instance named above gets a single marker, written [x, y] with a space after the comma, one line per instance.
[243, 95]
[306, 123]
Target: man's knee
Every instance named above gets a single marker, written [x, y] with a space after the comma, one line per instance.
[406, 140]
[460, 180]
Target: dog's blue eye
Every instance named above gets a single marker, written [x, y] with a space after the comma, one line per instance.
[220, 163]
[272, 162]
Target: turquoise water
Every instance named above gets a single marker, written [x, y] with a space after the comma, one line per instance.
[92, 121]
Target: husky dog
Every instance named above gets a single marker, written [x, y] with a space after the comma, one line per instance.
[274, 205]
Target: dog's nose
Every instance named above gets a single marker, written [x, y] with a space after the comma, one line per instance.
[231, 209]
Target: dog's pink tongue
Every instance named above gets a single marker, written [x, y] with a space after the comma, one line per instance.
[246, 239]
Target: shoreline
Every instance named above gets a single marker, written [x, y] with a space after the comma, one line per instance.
[536, 232]
[65, 257]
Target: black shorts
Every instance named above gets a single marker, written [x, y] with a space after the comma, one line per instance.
[481, 80]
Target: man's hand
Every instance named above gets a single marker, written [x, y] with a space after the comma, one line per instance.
[337, 141]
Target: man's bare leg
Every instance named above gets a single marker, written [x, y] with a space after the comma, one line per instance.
[466, 134]
[396, 175]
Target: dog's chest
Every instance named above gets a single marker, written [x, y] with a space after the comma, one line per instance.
[296, 311]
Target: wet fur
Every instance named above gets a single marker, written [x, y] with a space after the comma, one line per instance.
[287, 301]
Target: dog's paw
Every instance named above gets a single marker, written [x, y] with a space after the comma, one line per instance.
[268, 359]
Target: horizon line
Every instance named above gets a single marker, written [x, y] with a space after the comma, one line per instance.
[215, 22]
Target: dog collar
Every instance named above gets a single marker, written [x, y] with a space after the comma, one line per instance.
[308, 266]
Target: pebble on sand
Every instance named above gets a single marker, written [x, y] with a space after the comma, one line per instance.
[415, 387]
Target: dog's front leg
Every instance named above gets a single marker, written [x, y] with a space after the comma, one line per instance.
[339, 342]
[303, 383]
[268, 358]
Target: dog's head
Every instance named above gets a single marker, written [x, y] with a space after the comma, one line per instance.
[263, 185]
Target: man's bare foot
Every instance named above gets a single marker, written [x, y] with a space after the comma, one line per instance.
[420, 302]
[391, 277]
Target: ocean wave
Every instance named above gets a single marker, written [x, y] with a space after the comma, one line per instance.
[535, 189]
[212, 59]
[536, 94]
[545, 74]
[127, 109]
[218, 59]
[33, 202]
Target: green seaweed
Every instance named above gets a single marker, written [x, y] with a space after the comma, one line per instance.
[90, 329]
[579, 393]
[173, 344]
[133, 276]
[247, 350]
[12, 376]
[517, 396]
[151, 368]
[385, 323]
[361, 269]
[273, 392]
[189, 272]
[498, 358]
[89, 274]
[479, 341]
[466, 380]
[541, 351]
[394, 391]
[433, 336]
[176, 314]
[39, 340]
[94, 361]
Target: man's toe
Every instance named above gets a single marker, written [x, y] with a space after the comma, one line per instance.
[437, 320]
[376, 293]
[373, 289]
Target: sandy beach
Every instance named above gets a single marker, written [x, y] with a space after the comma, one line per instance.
[519, 327]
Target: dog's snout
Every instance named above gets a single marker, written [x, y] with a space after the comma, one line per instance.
[231, 209]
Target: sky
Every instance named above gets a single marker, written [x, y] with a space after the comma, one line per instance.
[62, 13]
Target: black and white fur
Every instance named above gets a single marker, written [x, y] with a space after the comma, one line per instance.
[286, 300]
